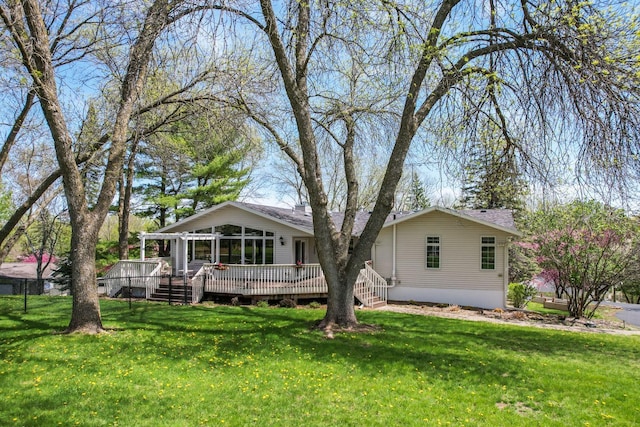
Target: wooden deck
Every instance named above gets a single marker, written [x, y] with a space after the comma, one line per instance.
[261, 280]
[250, 281]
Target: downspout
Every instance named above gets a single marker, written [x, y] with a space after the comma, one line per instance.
[505, 273]
[393, 257]
[373, 253]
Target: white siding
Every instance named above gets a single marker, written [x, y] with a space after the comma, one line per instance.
[471, 298]
[383, 253]
[460, 279]
[235, 216]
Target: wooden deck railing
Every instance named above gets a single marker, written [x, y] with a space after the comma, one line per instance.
[264, 279]
[137, 274]
[256, 280]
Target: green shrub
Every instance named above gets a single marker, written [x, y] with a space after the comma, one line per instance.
[262, 303]
[288, 303]
[314, 304]
[520, 294]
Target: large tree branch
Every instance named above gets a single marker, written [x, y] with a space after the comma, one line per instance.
[12, 19]
[156, 20]
[170, 97]
[15, 129]
[352, 182]
[21, 210]
[429, 54]
[45, 84]
[302, 37]
[282, 143]
[41, 189]
[280, 52]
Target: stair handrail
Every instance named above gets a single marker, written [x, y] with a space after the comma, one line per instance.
[124, 270]
[152, 281]
[375, 285]
[197, 285]
[112, 279]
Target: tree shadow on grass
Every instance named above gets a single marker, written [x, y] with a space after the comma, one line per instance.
[434, 346]
[423, 345]
[44, 317]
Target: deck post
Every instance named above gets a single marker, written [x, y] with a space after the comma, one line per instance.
[184, 289]
[129, 280]
[26, 287]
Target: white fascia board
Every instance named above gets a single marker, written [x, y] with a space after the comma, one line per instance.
[206, 212]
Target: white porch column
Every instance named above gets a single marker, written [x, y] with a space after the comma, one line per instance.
[217, 243]
[143, 241]
[185, 254]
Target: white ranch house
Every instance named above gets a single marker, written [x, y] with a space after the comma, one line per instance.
[436, 255]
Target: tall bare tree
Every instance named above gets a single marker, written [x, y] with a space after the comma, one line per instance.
[563, 74]
[26, 23]
[71, 40]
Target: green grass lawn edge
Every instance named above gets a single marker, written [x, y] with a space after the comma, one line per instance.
[220, 365]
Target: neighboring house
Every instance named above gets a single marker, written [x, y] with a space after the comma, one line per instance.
[436, 255]
[14, 275]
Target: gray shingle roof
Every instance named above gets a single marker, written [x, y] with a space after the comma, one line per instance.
[502, 218]
[291, 216]
[24, 270]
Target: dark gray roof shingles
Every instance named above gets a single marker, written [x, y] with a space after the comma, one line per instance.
[500, 217]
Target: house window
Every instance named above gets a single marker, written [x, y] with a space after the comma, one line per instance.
[201, 248]
[245, 245]
[488, 253]
[433, 252]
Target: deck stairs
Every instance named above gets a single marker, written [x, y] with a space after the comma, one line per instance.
[173, 290]
[370, 288]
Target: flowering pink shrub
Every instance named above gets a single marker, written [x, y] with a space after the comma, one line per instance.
[585, 249]
[45, 258]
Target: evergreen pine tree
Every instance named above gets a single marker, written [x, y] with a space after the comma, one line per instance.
[419, 198]
[492, 181]
[192, 167]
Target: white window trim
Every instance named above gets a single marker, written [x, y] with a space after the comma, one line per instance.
[494, 245]
[243, 237]
[426, 245]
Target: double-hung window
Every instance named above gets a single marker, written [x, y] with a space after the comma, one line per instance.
[488, 253]
[433, 252]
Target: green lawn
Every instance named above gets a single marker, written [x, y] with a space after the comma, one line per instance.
[186, 366]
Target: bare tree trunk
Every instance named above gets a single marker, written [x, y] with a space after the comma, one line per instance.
[123, 224]
[25, 21]
[86, 307]
[124, 205]
[340, 304]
